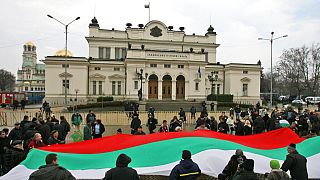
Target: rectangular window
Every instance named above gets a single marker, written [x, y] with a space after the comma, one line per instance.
[100, 87]
[213, 90]
[153, 65]
[218, 88]
[65, 65]
[113, 88]
[107, 53]
[117, 53]
[119, 87]
[65, 84]
[94, 87]
[245, 72]
[101, 53]
[136, 85]
[31, 89]
[116, 69]
[167, 65]
[180, 66]
[216, 72]
[124, 53]
[197, 86]
[245, 89]
[97, 68]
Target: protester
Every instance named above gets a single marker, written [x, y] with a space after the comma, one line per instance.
[182, 114]
[14, 155]
[231, 168]
[135, 123]
[16, 132]
[139, 131]
[186, 169]
[175, 122]
[4, 143]
[119, 131]
[151, 123]
[239, 128]
[122, 171]
[258, 125]
[223, 126]
[65, 128]
[44, 130]
[76, 120]
[213, 124]
[193, 112]
[53, 139]
[247, 128]
[36, 142]
[87, 131]
[237, 111]
[91, 117]
[51, 170]
[97, 129]
[276, 173]
[164, 127]
[296, 163]
[245, 171]
[202, 126]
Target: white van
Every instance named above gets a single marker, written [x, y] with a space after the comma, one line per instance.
[312, 100]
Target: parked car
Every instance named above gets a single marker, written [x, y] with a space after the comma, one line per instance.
[298, 101]
[313, 100]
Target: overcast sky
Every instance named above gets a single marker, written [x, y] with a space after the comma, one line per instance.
[238, 23]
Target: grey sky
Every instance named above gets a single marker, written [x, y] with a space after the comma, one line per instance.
[238, 24]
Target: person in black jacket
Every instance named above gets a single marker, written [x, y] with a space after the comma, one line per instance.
[122, 171]
[152, 122]
[135, 123]
[53, 139]
[223, 126]
[97, 129]
[44, 130]
[231, 168]
[15, 133]
[65, 128]
[245, 171]
[186, 169]
[4, 143]
[258, 125]
[239, 128]
[296, 163]
[14, 155]
[51, 170]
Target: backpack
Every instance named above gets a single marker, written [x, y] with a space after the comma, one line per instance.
[279, 177]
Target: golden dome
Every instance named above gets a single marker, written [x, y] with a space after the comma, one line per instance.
[62, 52]
[29, 44]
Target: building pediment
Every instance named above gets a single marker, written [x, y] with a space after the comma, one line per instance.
[97, 76]
[245, 79]
[116, 76]
[64, 75]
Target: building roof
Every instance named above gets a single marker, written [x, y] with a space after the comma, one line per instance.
[29, 43]
[62, 52]
[40, 66]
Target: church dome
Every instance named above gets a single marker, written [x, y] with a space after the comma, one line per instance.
[29, 44]
[62, 52]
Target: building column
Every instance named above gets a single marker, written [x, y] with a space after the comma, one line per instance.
[160, 89]
[145, 89]
[174, 90]
[187, 90]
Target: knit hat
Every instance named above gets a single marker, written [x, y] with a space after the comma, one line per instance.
[186, 154]
[274, 164]
[248, 164]
[119, 130]
[292, 146]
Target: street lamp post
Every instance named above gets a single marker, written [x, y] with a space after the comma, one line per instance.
[212, 78]
[140, 75]
[76, 100]
[271, 43]
[66, 53]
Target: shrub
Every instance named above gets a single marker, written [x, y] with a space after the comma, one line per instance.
[102, 98]
[220, 97]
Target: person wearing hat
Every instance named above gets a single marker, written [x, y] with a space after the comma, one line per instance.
[14, 155]
[232, 166]
[276, 173]
[122, 171]
[16, 132]
[245, 171]
[186, 169]
[296, 163]
[53, 139]
[119, 131]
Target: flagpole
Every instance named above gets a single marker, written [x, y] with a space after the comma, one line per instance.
[148, 6]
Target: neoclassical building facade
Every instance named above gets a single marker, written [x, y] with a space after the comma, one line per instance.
[152, 61]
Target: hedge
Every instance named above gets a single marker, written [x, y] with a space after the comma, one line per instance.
[220, 97]
[232, 104]
[102, 98]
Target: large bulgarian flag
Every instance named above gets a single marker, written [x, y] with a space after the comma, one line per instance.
[157, 154]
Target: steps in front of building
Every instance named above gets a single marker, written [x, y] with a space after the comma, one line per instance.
[170, 105]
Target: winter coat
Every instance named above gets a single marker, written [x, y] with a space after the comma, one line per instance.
[13, 157]
[164, 129]
[271, 124]
[223, 127]
[34, 144]
[232, 166]
[277, 174]
[246, 175]
[297, 164]
[4, 142]
[185, 170]
[65, 126]
[15, 134]
[52, 141]
[135, 123]
[122, 171]
[91, 118]
[239, 128]
[102, 129]
[45, 131]
[51, 172]
[258, 125]
[152, 122]
[247, 130]
[87, 133]
[58, 128]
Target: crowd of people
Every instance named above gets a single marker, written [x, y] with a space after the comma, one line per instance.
[15, 145]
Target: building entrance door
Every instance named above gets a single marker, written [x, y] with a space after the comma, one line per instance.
[153, 87]
[180, 85]
[167, 87]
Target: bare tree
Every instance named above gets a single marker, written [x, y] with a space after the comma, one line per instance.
[7, 80]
